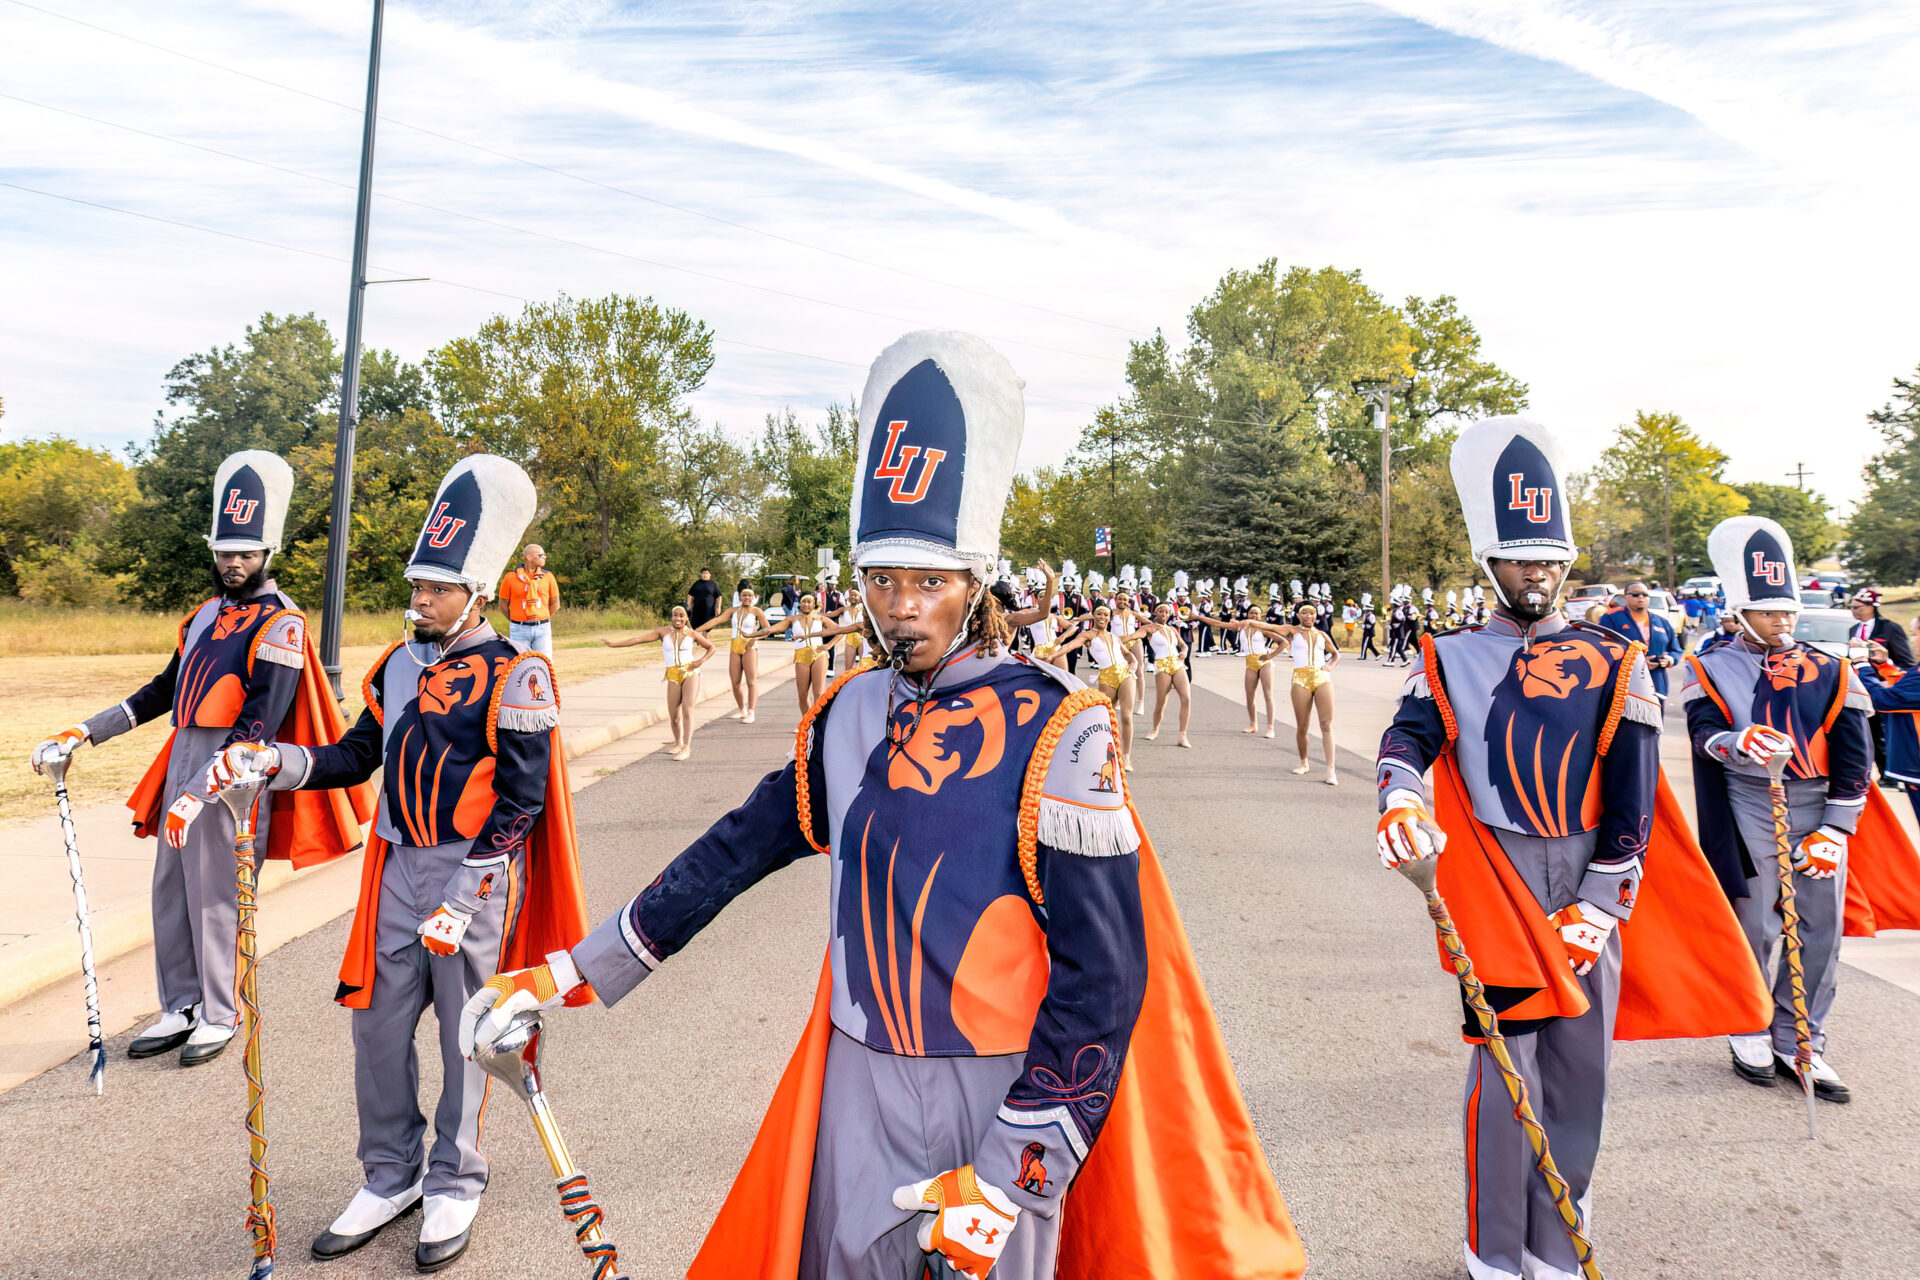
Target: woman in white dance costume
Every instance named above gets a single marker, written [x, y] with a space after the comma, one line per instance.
[749, 623]
[1314, 656]
[811, 634]
[1114, 673]
[1165, 650]
[1259, 654]
[683, 651]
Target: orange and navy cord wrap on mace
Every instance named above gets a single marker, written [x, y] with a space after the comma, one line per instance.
[583, 1214]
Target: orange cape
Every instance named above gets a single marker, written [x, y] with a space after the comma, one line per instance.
[1686, 969]
[553, 915]
[1883, 873]
[308, 827]
[1177, 1184]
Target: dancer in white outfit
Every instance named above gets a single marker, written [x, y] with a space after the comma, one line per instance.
[1314, 655]
[1259, 655]
[811, 635]
[1165, 650]
[743, 660]
[1114, 673]
[683, 651]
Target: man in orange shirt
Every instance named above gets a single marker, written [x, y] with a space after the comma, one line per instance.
[531, 596]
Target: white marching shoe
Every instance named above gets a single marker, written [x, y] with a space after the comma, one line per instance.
[165, 1035]
[365, 1214]
[205, 1043]
[1753, 1058]
[445, 1232]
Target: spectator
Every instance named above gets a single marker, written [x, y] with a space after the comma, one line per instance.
[1729, 630]
[1869, 626]
[703, 600]
[531, 596]
[1695, 608]
[1638, 622]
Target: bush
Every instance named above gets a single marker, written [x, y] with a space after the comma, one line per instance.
[69, 576]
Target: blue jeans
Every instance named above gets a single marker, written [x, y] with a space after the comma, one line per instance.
[533, 635]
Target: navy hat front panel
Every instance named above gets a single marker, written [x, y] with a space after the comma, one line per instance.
[451, 524]
[1763, 562]
[916, 462]
[240, 508]
[1527, 503]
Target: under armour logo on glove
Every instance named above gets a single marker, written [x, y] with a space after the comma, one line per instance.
[969, 1219]
[441, 932]
[180, 816]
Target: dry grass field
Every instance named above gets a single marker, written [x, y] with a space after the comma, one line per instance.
[58, 666]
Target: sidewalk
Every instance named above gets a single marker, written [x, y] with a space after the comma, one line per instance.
[606, 724]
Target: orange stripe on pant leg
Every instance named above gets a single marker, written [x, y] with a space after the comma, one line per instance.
[1473, 1159]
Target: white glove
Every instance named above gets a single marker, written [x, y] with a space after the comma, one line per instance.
[180, 816]
[57, 748]
[968, 1221]
[1407, 832]
[441, 932]
[489, 1010]
[248, 761]
[1759, 743]
[1584, 931]
[1818, 856]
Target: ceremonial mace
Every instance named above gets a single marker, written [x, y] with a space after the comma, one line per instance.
[57, 769]
[1423, 872]
[243, 799]
[513, 1058]
[1790, 931]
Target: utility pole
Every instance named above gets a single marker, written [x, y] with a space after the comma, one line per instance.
[334, 593]
[1113, 496]
[1380, 396]
[1800, 474]
[1666, 511]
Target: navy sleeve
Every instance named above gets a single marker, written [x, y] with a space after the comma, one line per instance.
[1705, 720]
[345, 763]
[1629, 783]
[1411, 744]
[1096, 941]
[1891, 695]
[521, 761]
[155, 697]
[1849, 769]
[270, 692]
[736, 853]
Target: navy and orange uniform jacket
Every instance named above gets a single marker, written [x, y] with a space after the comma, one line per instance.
[466, 741]
[1556, 734]
[1896, 698]
[984, 904]
[1810, 696]
[236, 667]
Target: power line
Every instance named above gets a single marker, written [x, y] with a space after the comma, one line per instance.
[593, 182]
[528, 231]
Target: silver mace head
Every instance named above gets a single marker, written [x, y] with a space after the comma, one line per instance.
[239, 798]
[57, 770]
[513, 1056]
[1424, 873]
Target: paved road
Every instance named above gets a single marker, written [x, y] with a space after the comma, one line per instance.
[1322, 971]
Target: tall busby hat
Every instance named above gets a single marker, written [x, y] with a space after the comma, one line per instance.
[1753, 557]
[1507, 472]
[251, 491]
[474, 524]
[940, 427]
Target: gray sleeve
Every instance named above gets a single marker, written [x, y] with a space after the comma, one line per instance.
[108, 724]
[612, 958]
[295, 764]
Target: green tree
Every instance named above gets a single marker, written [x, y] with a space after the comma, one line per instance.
[808, 469]
[57, 501]
[583, 393]
[1269, 508]
[276, 390]
[1883, 537]
[1805, 516]
[1668, 482]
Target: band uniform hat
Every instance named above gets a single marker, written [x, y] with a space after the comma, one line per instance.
[474, 524]
[1753, 557]
[1507, 473]
[251, 491]
[940, 426]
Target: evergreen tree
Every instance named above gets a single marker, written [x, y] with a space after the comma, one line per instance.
[1883, 538]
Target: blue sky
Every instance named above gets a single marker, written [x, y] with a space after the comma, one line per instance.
[1696, 207]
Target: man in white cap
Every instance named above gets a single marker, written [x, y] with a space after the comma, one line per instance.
[235, 676]
[1533, 687]
[1760, 697]
[993, 922]
[473, 862]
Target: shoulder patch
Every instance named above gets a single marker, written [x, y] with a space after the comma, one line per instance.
[283, 641]
[524, 700]
[1083, 805]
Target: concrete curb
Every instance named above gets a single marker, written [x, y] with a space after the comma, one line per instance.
[52, 955]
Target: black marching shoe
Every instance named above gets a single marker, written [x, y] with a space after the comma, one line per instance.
[1827, 1085]
[165, 1035]
[206, 1043]
[348, 1232]
[445, 1233]
[1753, 1059]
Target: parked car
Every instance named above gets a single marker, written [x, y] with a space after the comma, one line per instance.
[1663, 603]
[1825, 629]
[1580, 599]
[1816, 599]
[1706, 585]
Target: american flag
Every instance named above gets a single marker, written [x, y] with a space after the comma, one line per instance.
[1103, 540]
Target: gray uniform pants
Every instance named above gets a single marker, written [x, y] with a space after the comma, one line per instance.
[887, 1121]
[407, 979]
[1513, 1228]
[1820, 904]
[196, 912]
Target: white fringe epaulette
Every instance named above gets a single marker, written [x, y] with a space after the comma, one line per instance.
[1416, 686]
[1692, 693]
[1858, 698]
[1642, 711]
[529, 719]
[1094, 833]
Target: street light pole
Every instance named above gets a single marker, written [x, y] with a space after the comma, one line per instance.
[334, 592]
